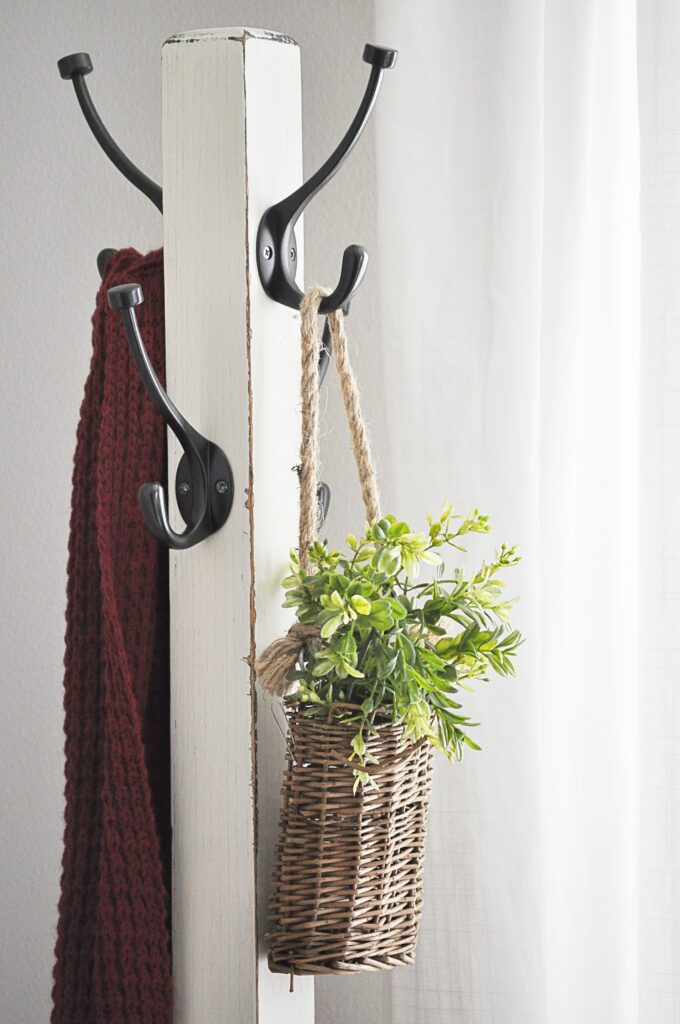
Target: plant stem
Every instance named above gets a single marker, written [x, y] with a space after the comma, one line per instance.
[363, 651]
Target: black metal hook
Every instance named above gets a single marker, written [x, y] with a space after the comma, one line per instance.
[104, 257]
[276, 245]
[74, 67]
[204, 484]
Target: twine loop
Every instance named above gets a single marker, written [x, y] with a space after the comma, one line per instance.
[358, 431]
[275, 663]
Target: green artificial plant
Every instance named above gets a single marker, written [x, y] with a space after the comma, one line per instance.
[392, 647]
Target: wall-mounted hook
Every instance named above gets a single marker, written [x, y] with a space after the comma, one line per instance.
[75, 67]
[204, 484]
[276, 245]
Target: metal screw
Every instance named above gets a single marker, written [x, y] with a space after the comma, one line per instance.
[184, 488]
[267, 252]
[293, 253]
[221, 486]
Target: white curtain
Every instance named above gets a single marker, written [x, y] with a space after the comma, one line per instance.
[521, 375]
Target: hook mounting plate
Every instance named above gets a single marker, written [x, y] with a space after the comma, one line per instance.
[220, 488]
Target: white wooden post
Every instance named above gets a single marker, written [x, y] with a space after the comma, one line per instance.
[231, 147]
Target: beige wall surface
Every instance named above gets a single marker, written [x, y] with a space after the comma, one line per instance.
[62, 202]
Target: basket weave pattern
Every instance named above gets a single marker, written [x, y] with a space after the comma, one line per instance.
[347, 891]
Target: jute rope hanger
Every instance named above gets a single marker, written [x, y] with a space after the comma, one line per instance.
[279, 658]
[358, 431]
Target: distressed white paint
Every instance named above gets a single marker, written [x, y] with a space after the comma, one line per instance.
[231, 146]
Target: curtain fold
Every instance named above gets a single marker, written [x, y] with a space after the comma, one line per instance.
[659, 92]
[514, 241]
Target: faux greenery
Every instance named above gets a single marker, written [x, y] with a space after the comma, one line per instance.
[393, 646]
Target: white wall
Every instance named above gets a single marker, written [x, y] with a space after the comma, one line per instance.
[61, 203]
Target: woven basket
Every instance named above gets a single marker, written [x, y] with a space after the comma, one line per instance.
[348, 867]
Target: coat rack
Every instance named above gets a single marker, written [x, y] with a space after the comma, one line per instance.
[232, 145]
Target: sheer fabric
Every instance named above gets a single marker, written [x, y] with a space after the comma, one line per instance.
[516, 239]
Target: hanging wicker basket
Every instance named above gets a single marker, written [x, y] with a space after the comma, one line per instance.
[348, 867]
[347, 893]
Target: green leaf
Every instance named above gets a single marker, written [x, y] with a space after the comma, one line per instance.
[358, 745]
[388, 561]
[396, 608]
[330, 626]
[360, 604]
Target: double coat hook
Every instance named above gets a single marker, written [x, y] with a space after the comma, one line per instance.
[276, 244]
[204, 484]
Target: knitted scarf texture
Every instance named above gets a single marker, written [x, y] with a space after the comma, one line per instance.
[113, 939]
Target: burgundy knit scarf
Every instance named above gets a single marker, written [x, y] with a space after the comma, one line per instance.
[113, 940]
